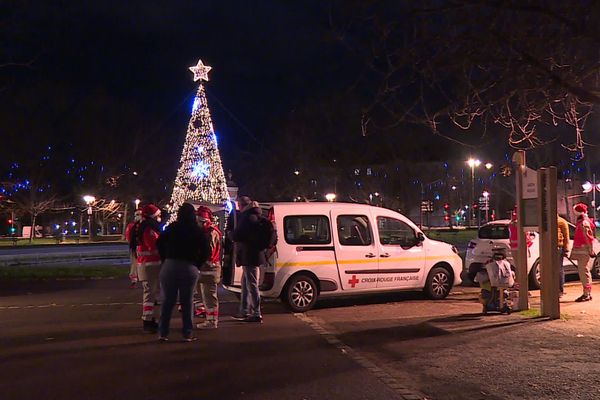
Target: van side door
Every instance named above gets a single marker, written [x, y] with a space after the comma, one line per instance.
[401, 253]
[355, 249]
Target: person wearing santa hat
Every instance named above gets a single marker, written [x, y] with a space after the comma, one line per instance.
[131, 237]
[582, 249]
[149, 266]
[210, 271]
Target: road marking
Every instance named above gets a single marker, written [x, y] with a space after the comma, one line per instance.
[393, 383]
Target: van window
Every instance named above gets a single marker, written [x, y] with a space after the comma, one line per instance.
[493, 231]
[354, 230]
[307, 229]
[395, 232]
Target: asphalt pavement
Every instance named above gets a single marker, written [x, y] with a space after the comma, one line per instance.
[82, 339]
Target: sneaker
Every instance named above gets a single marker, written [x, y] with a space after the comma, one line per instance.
[207, 325]
[583, 297]
[189, 338]
[150, 326]
[253, 318]
[163, 339]
[132, 285]
[239, 316]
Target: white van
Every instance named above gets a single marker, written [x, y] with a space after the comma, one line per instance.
[334, 249]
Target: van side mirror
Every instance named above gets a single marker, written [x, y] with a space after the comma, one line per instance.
[420, 237]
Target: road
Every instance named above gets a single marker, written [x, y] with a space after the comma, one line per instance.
[81, 255]
[82, 339]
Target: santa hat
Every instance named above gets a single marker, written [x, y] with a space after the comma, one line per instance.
[150, 211]
[580, 208]
[204, 213]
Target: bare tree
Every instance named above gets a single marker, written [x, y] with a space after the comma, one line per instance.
[33, 202]
[529, 69]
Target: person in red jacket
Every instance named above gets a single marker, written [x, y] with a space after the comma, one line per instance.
[149, 265]
[582, 250]
[210, 271]
[131, 237]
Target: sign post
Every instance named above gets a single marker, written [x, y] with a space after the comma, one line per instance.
[548, 226]
[521, 261]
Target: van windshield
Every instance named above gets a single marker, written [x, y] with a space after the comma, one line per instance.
[493, 231]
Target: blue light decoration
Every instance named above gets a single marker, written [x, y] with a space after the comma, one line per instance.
[196, 104]
[200, 169]
[229, 206]
[437, 196]
[214, 135]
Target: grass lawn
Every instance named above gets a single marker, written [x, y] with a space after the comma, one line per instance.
[458, 238]
[63, 272]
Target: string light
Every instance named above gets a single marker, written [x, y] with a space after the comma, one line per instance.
[200, 175]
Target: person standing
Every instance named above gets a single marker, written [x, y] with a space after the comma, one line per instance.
[183, 247]
[563, 250]
[131, 237]
[582, 250]
[148, 260]
[210, 271]
[252, 240]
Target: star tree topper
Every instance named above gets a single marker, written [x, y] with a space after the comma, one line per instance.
[200, 71]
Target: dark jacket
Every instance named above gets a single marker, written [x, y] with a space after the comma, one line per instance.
[184, 241]
[248, 254]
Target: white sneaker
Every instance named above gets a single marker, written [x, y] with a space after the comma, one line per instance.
[207, 325]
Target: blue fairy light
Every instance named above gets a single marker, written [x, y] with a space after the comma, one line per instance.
[200, 169]
[196, 104]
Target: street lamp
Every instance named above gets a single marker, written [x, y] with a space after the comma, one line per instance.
[472, 163]
[137, 203]
[330, 197]
[592, 187]
[486, 196]
[89, 200]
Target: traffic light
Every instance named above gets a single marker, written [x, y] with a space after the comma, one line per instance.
[10, 221]
[475, 206]
[447, 213]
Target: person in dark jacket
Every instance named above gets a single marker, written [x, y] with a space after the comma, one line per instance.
[250, 257]
[183, 247]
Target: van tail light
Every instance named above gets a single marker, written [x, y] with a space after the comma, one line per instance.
[268, 281]
[471, 245]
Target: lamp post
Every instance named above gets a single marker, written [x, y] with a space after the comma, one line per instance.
[592, 187]
[89, 200]
[137, 203]
[472, 163]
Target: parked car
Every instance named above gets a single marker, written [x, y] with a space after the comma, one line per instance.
[495, 234]
[335, 249]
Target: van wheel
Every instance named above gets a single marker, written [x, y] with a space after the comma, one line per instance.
[300, 294]
[596, 268]
[438, 284]
[535, 276]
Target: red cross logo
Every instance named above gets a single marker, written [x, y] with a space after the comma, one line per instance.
[353, 281]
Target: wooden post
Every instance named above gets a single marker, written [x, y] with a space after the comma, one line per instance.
[521, 261]
[548, 226]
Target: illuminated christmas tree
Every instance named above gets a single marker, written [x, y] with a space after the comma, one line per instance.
[200, 176]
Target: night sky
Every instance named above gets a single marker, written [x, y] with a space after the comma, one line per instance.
[98, 88]
[101, 72]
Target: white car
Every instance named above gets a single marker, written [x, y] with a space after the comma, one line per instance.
[494, 234]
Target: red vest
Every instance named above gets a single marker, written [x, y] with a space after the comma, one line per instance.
[583, 232]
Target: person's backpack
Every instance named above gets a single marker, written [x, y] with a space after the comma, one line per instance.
[265, 236]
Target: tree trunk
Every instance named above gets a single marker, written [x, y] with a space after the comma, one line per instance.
[32, 231]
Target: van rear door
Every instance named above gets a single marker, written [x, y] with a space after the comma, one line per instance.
[355, 249]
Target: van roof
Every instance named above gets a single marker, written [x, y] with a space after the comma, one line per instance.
[316, 204]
